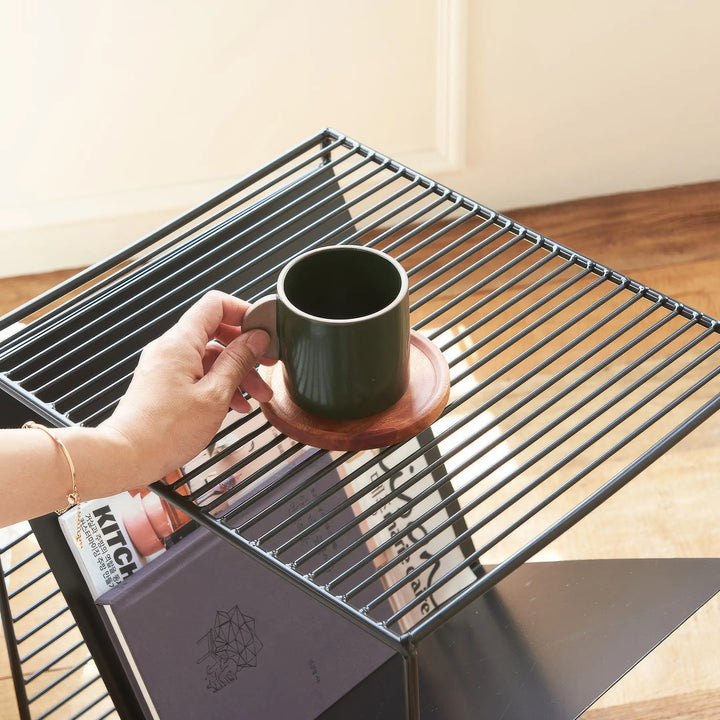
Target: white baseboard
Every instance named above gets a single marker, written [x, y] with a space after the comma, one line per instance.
[34, 250]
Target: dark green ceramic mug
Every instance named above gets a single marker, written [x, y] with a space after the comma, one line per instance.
[340, 324]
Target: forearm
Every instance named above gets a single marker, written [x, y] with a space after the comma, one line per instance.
[35, 478]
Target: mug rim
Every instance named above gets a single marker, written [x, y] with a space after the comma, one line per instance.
[402, 292]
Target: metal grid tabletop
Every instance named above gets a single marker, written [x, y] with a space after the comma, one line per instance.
[567, 380]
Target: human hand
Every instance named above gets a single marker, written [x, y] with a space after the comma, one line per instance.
[184, 384]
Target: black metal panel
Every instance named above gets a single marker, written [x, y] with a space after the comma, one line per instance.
[553, 637]
[380, 696]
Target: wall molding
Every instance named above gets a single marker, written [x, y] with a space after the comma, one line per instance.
[448, 153]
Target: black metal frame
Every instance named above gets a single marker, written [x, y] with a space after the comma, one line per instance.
[504, 283]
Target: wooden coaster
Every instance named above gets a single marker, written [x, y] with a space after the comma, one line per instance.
[419, 407]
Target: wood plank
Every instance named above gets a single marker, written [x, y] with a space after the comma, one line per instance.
[8, 704]
[16, 291]
[635, 232]
[686, 706]
[417, 409]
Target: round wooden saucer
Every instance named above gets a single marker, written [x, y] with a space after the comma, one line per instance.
[419, 407]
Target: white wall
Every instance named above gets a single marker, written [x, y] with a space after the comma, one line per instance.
[117, 115]
[574, 98]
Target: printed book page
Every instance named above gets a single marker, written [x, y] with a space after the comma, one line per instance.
[417, 543]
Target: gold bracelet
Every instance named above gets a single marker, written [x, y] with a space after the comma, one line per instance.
[73, 497]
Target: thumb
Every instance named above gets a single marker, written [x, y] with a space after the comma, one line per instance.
[237, 359]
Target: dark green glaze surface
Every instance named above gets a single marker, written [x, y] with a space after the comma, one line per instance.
[337, 364]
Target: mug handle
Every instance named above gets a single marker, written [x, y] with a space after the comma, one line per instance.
[262, 315]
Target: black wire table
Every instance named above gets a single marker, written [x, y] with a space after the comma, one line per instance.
[568, 379]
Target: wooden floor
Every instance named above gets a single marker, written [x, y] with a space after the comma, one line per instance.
[669, 240]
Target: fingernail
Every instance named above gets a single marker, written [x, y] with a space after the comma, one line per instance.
[258, 341]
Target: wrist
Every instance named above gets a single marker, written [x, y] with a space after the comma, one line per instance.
[104, 460]
[120, 465]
